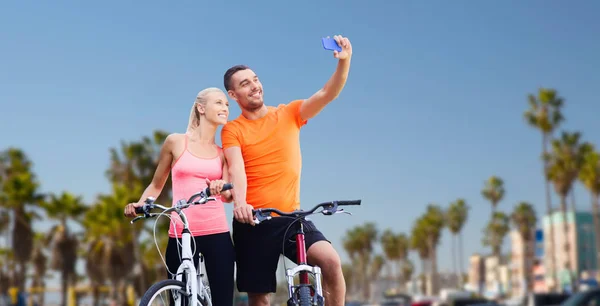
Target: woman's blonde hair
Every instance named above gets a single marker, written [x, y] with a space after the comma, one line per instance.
[201, 98]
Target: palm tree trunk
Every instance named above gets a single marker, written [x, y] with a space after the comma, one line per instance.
[460, 259]
[454, 257]
[64, 286]
[526, 268]
[434, 274]
[567, 237]
[552, 252]
[596, 218]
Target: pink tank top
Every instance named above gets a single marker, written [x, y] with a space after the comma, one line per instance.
[188, 175]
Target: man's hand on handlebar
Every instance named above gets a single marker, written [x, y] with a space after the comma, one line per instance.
[243, 213]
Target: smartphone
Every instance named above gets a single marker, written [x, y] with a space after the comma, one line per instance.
[330, 44]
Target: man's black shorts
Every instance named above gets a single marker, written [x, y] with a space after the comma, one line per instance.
[257, 251]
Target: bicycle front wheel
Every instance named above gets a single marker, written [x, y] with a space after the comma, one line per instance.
[164, 292]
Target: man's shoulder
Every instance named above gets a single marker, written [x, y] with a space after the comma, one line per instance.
[293, 103]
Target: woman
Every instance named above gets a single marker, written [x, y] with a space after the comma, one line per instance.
[195, 162]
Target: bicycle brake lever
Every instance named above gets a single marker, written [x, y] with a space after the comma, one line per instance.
[342, 211]
[136, 219]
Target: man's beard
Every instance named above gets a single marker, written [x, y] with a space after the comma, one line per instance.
[254, 106]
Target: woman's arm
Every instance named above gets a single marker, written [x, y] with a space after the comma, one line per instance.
[163, 168]
[226, 196]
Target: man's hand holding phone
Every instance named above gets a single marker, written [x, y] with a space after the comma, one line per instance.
[341, 46]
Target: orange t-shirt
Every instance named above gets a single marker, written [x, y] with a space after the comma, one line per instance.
[271, 150]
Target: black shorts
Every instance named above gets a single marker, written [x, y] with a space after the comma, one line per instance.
[257, 251]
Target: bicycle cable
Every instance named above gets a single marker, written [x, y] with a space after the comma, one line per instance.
[179, 244]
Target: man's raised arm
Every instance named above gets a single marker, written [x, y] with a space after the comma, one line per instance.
[315, 104]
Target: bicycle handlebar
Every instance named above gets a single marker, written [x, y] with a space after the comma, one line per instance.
[149, 204]
[329, 208]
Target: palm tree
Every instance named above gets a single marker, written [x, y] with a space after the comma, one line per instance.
[375, 271]
[407, 270]
[418, 242]
[40, 261]
[107, 234]
[19, 190]
[361, 239]
[133, 166]
[456, 217]
[64, 244]
[395, 248]
[493, 191]
[349, 278]
[564, 163]
[590, 177]
[524, 220]
[431, 225]
[544, 114]
[494, 234]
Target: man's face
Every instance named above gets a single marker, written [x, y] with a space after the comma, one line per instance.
[246, 89]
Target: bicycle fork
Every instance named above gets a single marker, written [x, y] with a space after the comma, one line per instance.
[303, 269]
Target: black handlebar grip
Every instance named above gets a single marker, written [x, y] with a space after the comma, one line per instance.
[350, 202]
[226, 187]
[139, 210]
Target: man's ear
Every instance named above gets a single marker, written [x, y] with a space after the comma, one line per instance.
[231, 94]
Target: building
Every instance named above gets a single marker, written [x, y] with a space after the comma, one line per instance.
[581, 235]
[497, 277]
[521, 262]
[476, 274]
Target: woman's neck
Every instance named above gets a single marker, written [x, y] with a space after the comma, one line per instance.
[204, 132]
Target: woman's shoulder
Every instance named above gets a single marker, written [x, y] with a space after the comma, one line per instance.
[174, 139]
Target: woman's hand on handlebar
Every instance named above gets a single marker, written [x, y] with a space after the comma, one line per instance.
[216, 186]
[130, 209]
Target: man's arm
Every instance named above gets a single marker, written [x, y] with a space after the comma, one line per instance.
[237, 174]
[315, 104]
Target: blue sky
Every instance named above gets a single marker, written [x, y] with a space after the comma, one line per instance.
[432, 108]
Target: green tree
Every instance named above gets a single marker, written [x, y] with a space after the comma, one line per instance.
[64, 243]
[456, 218]
[360, 241]
[418, 243]
[20, 192]
[564, 162]
[494, 234]
[431, 225]
[589, 175]
[132, 165]
[395, 248]
[493, 191]
[40, 266]
[109, 236]
[544, 114]
[524, 220]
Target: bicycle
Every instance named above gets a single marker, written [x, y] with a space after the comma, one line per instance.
[194, 289]
[304, 293]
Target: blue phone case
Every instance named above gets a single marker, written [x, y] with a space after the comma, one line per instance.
[330, 44]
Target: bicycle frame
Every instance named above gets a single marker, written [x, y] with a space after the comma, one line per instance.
[194, 282]
[304, 269]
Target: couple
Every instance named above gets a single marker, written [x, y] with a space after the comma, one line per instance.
[261, 157]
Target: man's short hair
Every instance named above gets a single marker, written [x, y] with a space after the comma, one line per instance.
[230, 72]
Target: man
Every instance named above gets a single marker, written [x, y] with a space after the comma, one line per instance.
[262, 148]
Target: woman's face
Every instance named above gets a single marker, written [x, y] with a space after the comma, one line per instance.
[216, 109]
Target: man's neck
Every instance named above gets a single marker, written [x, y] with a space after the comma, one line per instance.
[256, 114]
